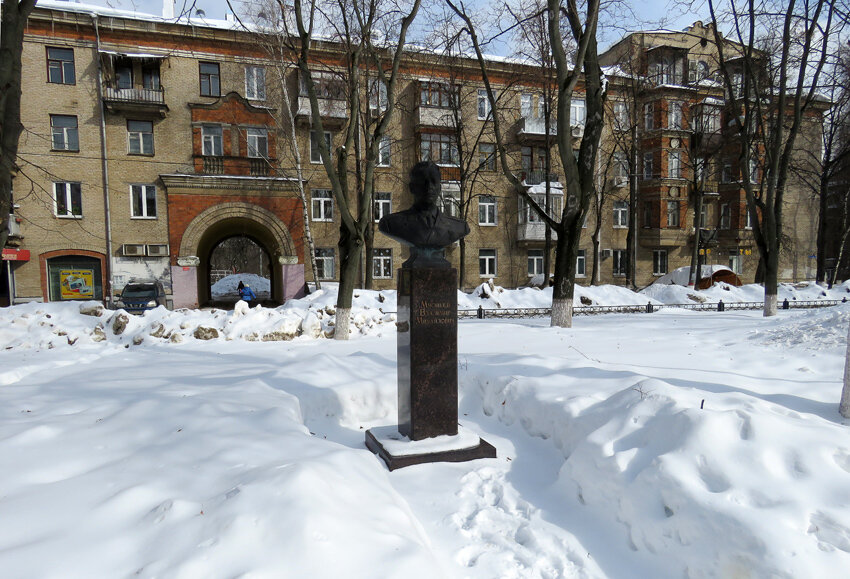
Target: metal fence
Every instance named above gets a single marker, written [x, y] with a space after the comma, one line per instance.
[720, 306]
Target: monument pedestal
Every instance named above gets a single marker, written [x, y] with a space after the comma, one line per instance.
[427, 375]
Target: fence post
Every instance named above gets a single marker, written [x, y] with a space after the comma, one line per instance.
[480, 312]
[649, 307]
[785, 304]
[721, 306]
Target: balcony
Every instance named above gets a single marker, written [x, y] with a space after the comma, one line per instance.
[235, 166]
[213, 165]
[441, 117]
[135, 100]
[538, 177]
[533, 130]
[333, 111]
[532, 231]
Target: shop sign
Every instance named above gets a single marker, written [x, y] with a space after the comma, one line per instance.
[13, 254]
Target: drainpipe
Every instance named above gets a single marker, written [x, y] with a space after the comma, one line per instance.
[104, 168]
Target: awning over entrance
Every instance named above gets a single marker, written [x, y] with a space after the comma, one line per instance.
[13, 254]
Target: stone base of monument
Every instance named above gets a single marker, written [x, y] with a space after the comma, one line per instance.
[398, 451]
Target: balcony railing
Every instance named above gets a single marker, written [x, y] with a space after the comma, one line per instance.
[328, 108]
[135, 95]
[214, 165]
[538, 177]
[532, 231]
[259, 167]
[428, 116]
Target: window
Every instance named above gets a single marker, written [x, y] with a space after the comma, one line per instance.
[581, 263]
[708, 120]
[315, 153]
[699, 169]
[618, 263]
[64, 129]
[526, 105]
[726, 174]
[437, 94]
[535, 262]
[210, 79]
[578, 112]
[150, 77]
[487, 262]
[735, 260]
[754, 171]
[674, 115]
[487, 156]
[384, 158]
[621, 214]
[143, 201]
[484, 111]
[529, 215]
[383, 205]
[749, 223]
[140, 137]
[648, 120]
[659, 261]
[382, 263]
[703, 217]
[68, 200]
[647, 165]
[255, 83]
[533, 159]
[621, 166]
[323, 205]
[60, 66]
[377, 96]
[211, 137]
[674, 165]
[258, 143]
[725, 216]
[449, 203]
[621, 116]
[486, 210]
[672, 214]
[124, 74]
[325, 262]
[439, 148]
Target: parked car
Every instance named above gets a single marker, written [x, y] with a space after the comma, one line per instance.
[140, 295]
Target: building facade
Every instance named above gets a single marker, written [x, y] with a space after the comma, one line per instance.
[149, 142]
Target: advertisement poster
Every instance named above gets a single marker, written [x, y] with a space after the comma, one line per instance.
[76, 284]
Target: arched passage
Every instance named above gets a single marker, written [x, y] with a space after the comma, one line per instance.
[223, 221]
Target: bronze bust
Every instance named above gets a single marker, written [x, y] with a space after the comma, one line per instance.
[424, 227]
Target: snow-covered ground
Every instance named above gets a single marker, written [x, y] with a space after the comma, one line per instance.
[676, 444]
[227, 288]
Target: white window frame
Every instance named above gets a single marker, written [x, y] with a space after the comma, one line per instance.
[485, 113]
[255, 83]
[144, 193]
[487, 210]
[674, 115]
[69, 135]
[60, 70]
[526, 105]
[648, 117]
[581, 263]
[621, 164]
[578, 112]
[378, 96]
[621, 214]
[325, 258]
[487, 263]
[382, 263]
[322, 205]
[257, 142]
[621, 115]
[315, 151]
[487, 160]
[749, 222]
[535, 262]
[674, 217]
[385, 152]
[139, 138]
[68, 190]
[659, 262]
[674, 165]
[383, 205]
[212, 140]
[736, 262]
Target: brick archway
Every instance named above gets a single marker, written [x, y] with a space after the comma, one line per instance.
[225, 220]
[200, 225]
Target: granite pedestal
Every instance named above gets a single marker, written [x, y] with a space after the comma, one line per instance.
[427, 372]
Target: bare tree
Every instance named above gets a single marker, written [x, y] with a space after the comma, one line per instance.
[767, 110]
[357, 26]
[13, 21]
[580, 178]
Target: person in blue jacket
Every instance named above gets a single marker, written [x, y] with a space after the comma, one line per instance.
[246, 293]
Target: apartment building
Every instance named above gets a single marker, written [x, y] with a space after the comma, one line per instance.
[149, 142]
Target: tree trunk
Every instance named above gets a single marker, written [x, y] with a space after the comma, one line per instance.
[844, 405]
[693, 278]
[350, 251]
[563, 290]
[771, 272]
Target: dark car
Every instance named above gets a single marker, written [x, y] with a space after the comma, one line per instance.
[141, 295]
